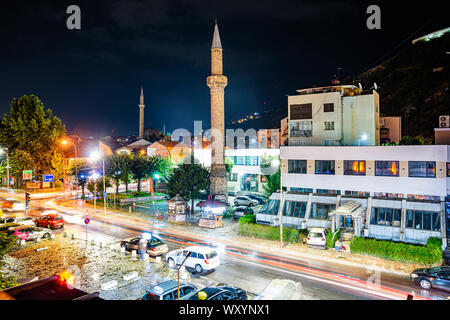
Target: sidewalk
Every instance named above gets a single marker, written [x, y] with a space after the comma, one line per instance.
[227, 235]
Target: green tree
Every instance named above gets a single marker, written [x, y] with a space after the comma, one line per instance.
[229, 164]
[189, 181]
[82, 167]
[6, 242]
[113, 164]
[143, 167]
[125, 169]
[417, 140]
[272, 183]
[31, 133]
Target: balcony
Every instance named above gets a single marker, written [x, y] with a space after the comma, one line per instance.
[301, 133]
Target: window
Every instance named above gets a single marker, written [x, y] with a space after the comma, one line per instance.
[302, 190]
[193, 255]
[386, 217]
[423, 220]
[328, 107]
[185, 290]
[354, 168]
[239, 161]
[301, 128]
[329, 125]
[273, 207]
[324, 166]
[321, 210]
[422, 169]
[327, 191]
[232, 177]
[386, 168]
[296, 166]
[170, 296]
[295, 209]
[200, 256]
[301, 111]
[448, 169]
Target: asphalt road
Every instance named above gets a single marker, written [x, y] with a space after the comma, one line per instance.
[253, 270]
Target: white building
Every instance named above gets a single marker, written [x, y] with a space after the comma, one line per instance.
[334, 115]
[386, 192]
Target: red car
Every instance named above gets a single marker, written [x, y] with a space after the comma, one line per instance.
[50, 221]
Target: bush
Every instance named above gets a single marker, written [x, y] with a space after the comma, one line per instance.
[228, 213]
[6, 242]
[248, 218]
[434, 242]
[266, 232]
[397, 251]
[332, 238]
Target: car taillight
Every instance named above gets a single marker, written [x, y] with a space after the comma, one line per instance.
[153, 249]
[323, 239]
[206, 261]
[309, 238]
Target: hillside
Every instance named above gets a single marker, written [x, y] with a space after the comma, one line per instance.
[409, 87]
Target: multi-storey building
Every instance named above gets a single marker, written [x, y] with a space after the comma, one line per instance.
[386, 192]
[334, 115]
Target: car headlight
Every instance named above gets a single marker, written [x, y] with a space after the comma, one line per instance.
[413, 275]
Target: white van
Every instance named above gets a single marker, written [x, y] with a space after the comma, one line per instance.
[201, 258]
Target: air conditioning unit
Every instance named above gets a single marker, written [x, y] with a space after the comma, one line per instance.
[444, 121]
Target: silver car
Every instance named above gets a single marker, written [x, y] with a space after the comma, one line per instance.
[244, 201]
[29, 233]
[168, 290]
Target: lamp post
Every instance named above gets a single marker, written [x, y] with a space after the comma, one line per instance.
[187, 256]
[95, 156]
[276, 163]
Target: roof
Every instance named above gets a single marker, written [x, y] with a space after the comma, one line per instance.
[169, 144]
[165, 286]
[349, 208]
[199, 249]
[216, 44]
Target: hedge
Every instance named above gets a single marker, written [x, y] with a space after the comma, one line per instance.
[267, 232]
[398, 251]
[331, 241]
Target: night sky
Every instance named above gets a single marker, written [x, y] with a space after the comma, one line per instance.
[91, 77]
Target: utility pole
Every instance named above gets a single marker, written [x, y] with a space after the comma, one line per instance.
[187, 256]
[281, 209]
[104, 186]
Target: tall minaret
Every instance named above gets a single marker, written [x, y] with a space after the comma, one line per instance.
[141, 115]
[217, 83]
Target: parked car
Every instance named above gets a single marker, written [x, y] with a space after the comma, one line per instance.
[201, 258]
[437, 277]
[446, 256]
[26, 221]
[155, 246]
[245, 201]
[168, 290]
[13, 205]
[242, 211]
[317, 238]
[31, 233]
[5, 227]
[217, 293]
[257, 198]
[50, 221]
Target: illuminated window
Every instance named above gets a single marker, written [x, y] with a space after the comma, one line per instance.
[387, 168]
[354, 167]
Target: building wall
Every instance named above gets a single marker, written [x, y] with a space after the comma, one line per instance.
[442, 136]
[361, 119]
[394, 124]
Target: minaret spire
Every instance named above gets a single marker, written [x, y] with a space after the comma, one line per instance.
[141, 114]
[216, 44]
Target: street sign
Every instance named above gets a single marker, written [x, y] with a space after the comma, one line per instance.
[27, 174]
[87, 220]
[48, 177]
[105, 194]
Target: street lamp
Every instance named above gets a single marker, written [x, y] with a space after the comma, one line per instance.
[364, 137]
[5, 150]
[94, 177]
[94, 157]
[65, 142]
[276, 163]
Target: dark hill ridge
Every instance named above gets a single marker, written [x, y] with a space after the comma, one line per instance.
[414, 84]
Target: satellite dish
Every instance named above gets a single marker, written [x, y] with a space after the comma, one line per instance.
[375, 86]
[359, 85]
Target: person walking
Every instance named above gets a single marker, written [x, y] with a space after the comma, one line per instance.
[142, 248]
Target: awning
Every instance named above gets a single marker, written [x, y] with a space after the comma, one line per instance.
[352, 208]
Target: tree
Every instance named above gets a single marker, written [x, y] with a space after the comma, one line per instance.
[189, 181]
[6, 242]
[272, 183]
[125, 169]
[145, 167]
[417, 140]
[31, 133]
[82, 167]
[113, 164]
[229, 164]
